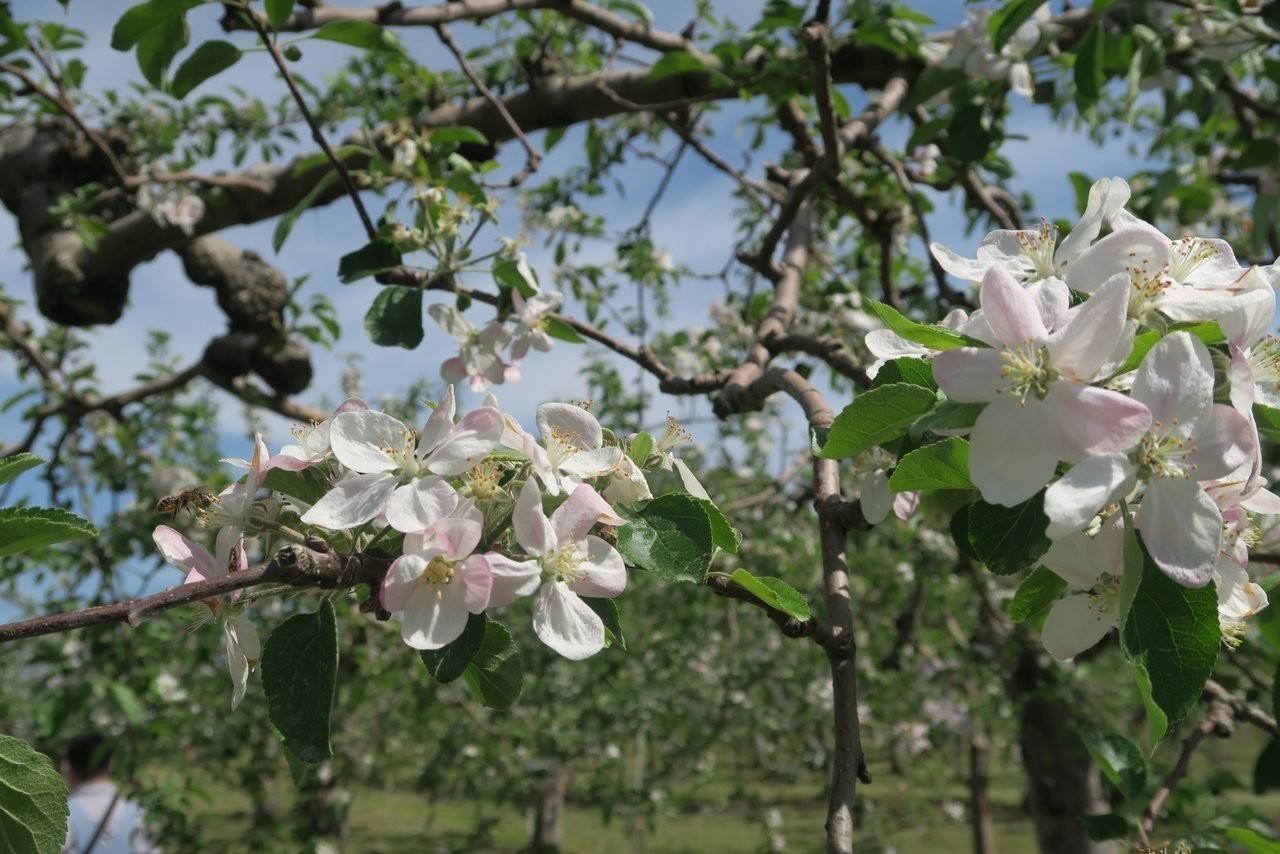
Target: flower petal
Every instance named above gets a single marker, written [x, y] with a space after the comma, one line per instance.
[533, 530]
[1182, 528]
[1080, 349]
[511, 579]
[358, 440]
[606, 574]
[1013, 451]
[565, 623]
[402, 579]
[417, 505]
[581, 512]
[352, 502]
[1093, 483]
[970, 374]
[1011, 313]
[435, 615]
[1074, 624]
[566, 420]
[1096, 420]
[468, 443]
[1175, 381]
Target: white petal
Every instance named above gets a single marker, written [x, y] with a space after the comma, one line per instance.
[1175, 381]
[470, 441]
[1086, 343]
[1012, 314]
[606, 574]
[533, 530]
[1106, 197]
[1137, 248]
[511, 579]
[417, 505]
[875, 497]
[435, 615]
[581, 512]
[585, 465]
[1013, 451]
[439, 422]
[402, 579]
[1076, 497]
[689, 481]
[567, 420]
[566, 624]
[1096, 420]
[970, 374]
[240, 641]
[1182, 528]
[358, 439]
[1073, 625]
[352, 502]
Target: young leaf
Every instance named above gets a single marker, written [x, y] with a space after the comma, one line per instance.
[494, 674]
[607, 611]
[395, 318]
[1005, 20]
[204, 62]
[300, 678]
[377, 256]
[726, 537]
[287, 221]
[1089, 74]
[1266, 769]
[1118, 758]
[906, 369]
[671, 537]
[1036, 594]
[451, 661]
[562, 331]
[23, 528]
[360, 34]
[940, 465]
[946, 415]
[1009, 539]
[1172, 638]
[933, 337]
[141, 19]
[33, 800]
[278, 12]
[676, 62]
[306, 485]
[876, 416]
[773, 592]
[11, 467]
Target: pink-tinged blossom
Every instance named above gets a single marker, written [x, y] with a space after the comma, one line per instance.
[574, 450]
[1093, 566]
[1190, 439]
[1254, 368]
[1040, 406]
[566, 563]
[531, 327]
[239, 638]
[478, 360]
[237, 507]
[401, 472]
[438, 581]
[312, 441]
[1034, 255]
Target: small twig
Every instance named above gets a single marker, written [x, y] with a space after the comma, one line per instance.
[791, 627]
[752, 188]
[533, 157]
[1217, 720]
[814, 35]
[316, 133]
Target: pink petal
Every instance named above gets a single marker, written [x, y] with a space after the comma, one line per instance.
[402, 579]
[1175, 381]
[606, 574]
[470, 441]
[511, 579]
[1011, 313]
[580, 512]
[1096, 420]
[533, 530]
[1081, 348]
[359, 437]
[969, 374]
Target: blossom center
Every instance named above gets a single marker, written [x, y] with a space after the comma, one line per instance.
[1264, 360]
[484, 482]
[565, 563]
[1104, 595]
[1038, 246]
[1026, 370]
[562, 444]
[438, 573]
[1162, 454]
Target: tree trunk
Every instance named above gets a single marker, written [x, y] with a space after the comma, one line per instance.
[981, 821]
[548, 810]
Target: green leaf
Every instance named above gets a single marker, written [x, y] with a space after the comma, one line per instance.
[676, 62]
[876, 416]
[640, 448]
[1172, 636]
[451, 661]
[968, 134]
[377, 256]
[1088, 73]
[517, 275]
[947, 415]
[494, 674]
[1119, 759]
[726, 537]
[159, 46]
[300, 678]
[33, 800]
[204, 62]
[1009, 539]
[562, 331]
[940, 465]
[130, 706]
[458, 135]
[1105, 826]
[139, 20]
[287, 221]
[360, 34]
[773, 592]
[1268, 420]
[906, 370]
[933, 80]
[23, 528]
[395, 318]
[1036, 594]
[931, 336]
[607, 611]
[1254, 842]
[1208, 332]
[1266, 770]
[307, 485]
[670, 536]
[278, 12]
[11, 467]
[1005, 20]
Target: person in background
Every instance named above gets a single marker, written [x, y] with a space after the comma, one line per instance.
[102, 820]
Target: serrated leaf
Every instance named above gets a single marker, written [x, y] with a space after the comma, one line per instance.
[670, 537]
[141, 19]
[23, 528]
[676, 62]
[204, 62]
[773, 592]
[11, 467]
[157, 48]
[306, 485]
[1009, 539]
[1118, 758]
[607, 611]
[932, 336]
[1172, 636]
[395, 318]
[360, 34]
[494, 674]
[640, 447]
[1006, 19]
[377, 256]
[33, 800]
[906, 369]
[300, 678]
[278, 12]
[940, 465]
[874, 417]
[289, 219]
[1036, 594]
[726, 537]
[947, 415]
[562, 331]
[451, 661]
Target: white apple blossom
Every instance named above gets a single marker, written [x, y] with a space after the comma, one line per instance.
[478, 360]
[1093, 566]
[531, 326]
[312, 445]
[567, 563]
[574, 450]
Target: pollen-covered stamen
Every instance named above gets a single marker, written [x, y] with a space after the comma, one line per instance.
[1189, 253]
[1104, 595]
[1235, 534]
[1038, 246]
[673, 435]
[1264, 360]
[1162, 454]
[438, 573]
[1232, 632]
[484, 482]
[562, 444]
[565, 563]
[403, 451]
[1146, 285]
[1025, 370]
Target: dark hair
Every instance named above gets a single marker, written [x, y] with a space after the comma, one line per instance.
[89, 754]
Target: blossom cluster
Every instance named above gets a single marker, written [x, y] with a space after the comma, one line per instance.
[469, 495]
[1095, 384]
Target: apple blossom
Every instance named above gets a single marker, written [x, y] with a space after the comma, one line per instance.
[574, 450]
[313, 440]
[1093, 566]
[531, 328]
[567, 563]
[477, 361]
